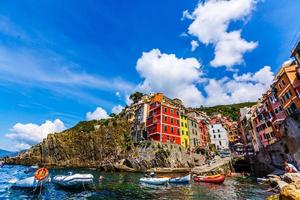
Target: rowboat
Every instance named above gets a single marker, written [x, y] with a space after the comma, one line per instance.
[154, 181]
[183, 179]
[210, 179]
[73, 180]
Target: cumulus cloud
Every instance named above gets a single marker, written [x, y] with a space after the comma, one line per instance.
[30, 134]
[242, 88]
[117, 109]
[176, 77]
[98, 114]
[194, 45]
[210, 22]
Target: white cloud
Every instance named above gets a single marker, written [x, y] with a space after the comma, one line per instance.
[98, 114]
[194, 45]
[21, 146]
[186, 15]
[29, 134]
[176, 77]
[210, 22]
[242, 88]
[117, 109]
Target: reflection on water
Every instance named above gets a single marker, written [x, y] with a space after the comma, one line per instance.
[127, 186]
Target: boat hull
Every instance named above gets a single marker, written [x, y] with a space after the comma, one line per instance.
[210, 179]
[29, 183]
[76, 180]
[155, 181]
[178, 180]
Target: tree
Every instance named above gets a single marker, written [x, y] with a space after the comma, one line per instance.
[135, 97]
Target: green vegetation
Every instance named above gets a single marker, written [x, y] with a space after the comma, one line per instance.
[135, 97]
[231, 111]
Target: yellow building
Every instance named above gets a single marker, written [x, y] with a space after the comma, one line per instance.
[184, 131]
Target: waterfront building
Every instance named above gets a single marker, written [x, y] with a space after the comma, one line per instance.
[163, 121]
[203, 142]
[218, 136]
[184, 131]
[138, 130]
[194, 133]
[287, 87]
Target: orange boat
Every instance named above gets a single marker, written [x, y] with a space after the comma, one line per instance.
[210, 179]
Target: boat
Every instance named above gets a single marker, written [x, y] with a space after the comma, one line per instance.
[210, 179]
[73, 180]
[1, 164]
[154, 181]
[27, 183]
[183, 179]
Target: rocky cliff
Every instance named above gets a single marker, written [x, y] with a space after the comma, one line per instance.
[105, 145]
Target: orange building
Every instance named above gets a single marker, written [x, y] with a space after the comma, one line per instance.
[287, 87]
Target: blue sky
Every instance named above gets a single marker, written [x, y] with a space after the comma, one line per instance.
[63, 59]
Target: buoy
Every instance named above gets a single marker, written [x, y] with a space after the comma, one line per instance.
[41, 174]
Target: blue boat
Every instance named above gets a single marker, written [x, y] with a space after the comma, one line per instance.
[183, 179]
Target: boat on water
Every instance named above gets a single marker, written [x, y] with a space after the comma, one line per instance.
[218, 179]
[154, 180]
[73, 180]
[28, 183]
[183, 179]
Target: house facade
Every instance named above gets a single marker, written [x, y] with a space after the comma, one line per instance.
[218, 136]
[184, 131]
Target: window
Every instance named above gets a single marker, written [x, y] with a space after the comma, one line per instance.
[280, 86]
[166, 128]
[178, 131]
[213, 131]
[276, 111]
[214, 136]
[187, 133]
[177, 113]
[218, 130]
[280, 108]
[282, 81]
[185, 125]
[168, 138]
[166, 118]
[219, 136]
[177, 121]
[172, 120]
[172, 130]
[220, 143]
[172, 111]
[182, 132]
[165, 109]
[182, 124]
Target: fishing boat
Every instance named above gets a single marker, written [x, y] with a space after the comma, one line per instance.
[73, 180]
[210, 179]
[154, 181]
[183, 179]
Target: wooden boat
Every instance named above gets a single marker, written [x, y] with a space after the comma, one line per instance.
[154, 181]
[73, 180]
[183, 179]
[210, 179]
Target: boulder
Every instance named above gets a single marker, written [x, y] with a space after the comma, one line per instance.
[290, 192]
[291, 177]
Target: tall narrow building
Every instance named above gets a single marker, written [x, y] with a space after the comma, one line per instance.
[184, 131]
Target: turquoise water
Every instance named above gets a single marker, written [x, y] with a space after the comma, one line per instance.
[127, 186]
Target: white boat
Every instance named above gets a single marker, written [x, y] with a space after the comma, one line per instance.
[183, 179]
[73, 180]
[31, 169]
[30, 182]
[154, 181]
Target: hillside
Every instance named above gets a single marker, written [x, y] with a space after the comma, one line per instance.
[231, 110]
[4, 153]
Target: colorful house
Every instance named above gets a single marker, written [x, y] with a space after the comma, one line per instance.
[163, 122]
[184, 131]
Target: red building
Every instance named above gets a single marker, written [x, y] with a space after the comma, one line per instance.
[203, 133]
[163, 120]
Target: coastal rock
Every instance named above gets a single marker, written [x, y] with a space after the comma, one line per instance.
[291, 177]
[290, 192]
